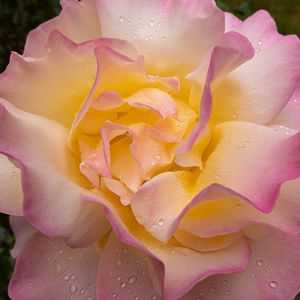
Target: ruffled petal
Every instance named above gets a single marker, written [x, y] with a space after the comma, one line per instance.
[78, 21]
[273, 73]
[166, 31]
[48, 269]
[272, 274]
[39, 146]
[11, 199]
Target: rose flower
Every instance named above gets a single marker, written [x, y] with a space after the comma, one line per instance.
[150, 150]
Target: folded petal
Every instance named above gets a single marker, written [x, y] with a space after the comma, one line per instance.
[229, 53]
[58, 75]
[48, 269]
[77, 20]
[289, 115]
[126, 273]
[241, 157]
[168, 259]
[273, 74]
[165, 31]
[39, 146]
[272, 274]
[11, 199]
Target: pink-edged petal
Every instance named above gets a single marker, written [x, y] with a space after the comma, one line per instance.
[22, 232]
[11, 199]
[54, 205]
[289, 116]
[273, 73]
[158, 101]
[107, 100]
[166, 31]
[222, 211]
[48, 269]
[230, 52]
[126, 273]
[241, 157]
[77, 20]
[59, 76]
[272, 274]
[194, 266]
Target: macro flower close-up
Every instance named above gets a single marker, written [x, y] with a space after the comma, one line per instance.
[150, 150]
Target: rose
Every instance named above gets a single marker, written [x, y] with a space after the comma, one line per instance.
[159, 151]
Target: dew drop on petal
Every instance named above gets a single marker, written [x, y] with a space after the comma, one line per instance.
[29, 283]
[259, 263]
[82, 291]
[132, 280]
[224, 282]
[121, 19]
[227, 292]
[161, 222]
[119, 278]
[123, 285]
[154, 297]
[273, 284]
[66, 277]
[164, 38]
[119, 263]
[260, 43]
[114, 294]
[151, 23]
[73, 288]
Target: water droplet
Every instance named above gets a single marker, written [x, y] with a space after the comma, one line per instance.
[132, 280]
[252, 275]
[73, 277]
[119, 278]
[259, 263]
[128, 20]
[295, 100]
[227, 292]
[254, 90]
[273, 284]
[224, 282]
[259, 42]
[154, 298]
[66, 277]
[151, 37]
[151, 23]
[119, 263]
[242, 147]
[82, 291]
[164, 38]
[257, 49]
[135, 36]
[238, 206]
[123, 285]
[161, 222]
[152, 163]
[125, 36]
[136, 298]
[114, 294]
[212, 289]
[73, 288]
[229, 169]
[61, 252]
[143, 272]
[147, 38]
[29, 283]
[121, 19]
[157, 157]
[125, 250]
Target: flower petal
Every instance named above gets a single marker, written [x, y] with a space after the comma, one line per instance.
[78, 21]
[126, 273]
[273, 73]
[48, 269]
[289, 116]
[165, 31]
[272, 274]
[39, 146]
[11, 201]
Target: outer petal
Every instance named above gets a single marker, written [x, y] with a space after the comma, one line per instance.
[11, 201]
[272, 274]
[165, 31]
[77, 20]
[241, 157]
[39, 145]
[48, 269]
[56, 76]
[290, 114]
[126, 274]
[193, 266]
[272, 74]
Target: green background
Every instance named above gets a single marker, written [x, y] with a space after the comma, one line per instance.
[18, 17]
